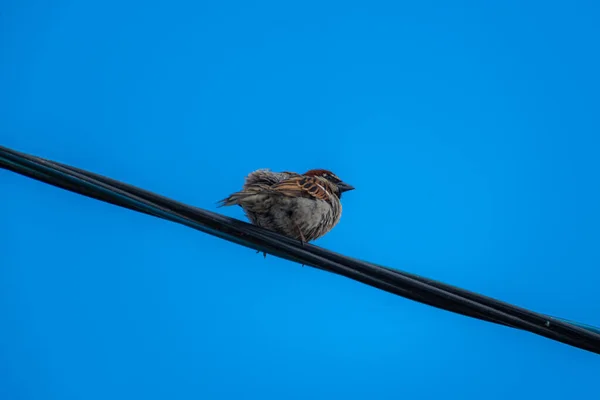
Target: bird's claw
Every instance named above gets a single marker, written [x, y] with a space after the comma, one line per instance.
[302, 239]
[264, 253]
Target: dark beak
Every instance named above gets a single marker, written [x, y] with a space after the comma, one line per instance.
[344, 187]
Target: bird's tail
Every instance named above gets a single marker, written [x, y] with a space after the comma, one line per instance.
[238, 198]
[234, 199]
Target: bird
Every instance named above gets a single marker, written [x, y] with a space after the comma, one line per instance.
[301, 206]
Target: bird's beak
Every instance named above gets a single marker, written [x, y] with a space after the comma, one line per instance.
[344, 187]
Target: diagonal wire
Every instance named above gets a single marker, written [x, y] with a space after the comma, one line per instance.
[410, 286]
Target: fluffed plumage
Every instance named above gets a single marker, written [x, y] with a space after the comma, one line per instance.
[301, 206]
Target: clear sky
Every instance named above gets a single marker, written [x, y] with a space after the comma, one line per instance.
[470, 130]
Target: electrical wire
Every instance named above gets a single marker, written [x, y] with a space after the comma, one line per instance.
[404, 284]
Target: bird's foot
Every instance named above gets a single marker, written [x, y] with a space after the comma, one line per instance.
[264, 253]
[302, 239]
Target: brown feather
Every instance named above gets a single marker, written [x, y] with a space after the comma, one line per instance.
[303, 186]
[318, 172]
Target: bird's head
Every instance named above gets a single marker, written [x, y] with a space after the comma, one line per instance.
[337, 184]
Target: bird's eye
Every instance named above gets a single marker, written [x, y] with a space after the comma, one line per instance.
[332, 178]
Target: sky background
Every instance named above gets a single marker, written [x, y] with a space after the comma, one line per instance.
[470, 130]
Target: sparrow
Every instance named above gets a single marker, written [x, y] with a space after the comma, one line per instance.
[300, 206]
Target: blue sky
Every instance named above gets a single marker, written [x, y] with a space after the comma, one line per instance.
[470, 131]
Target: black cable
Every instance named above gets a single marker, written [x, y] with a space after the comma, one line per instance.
[407, 285]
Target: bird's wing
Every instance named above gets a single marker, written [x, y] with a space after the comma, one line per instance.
[302, 186]
[266, 177]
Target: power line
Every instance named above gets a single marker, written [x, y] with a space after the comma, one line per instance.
[404, 284]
